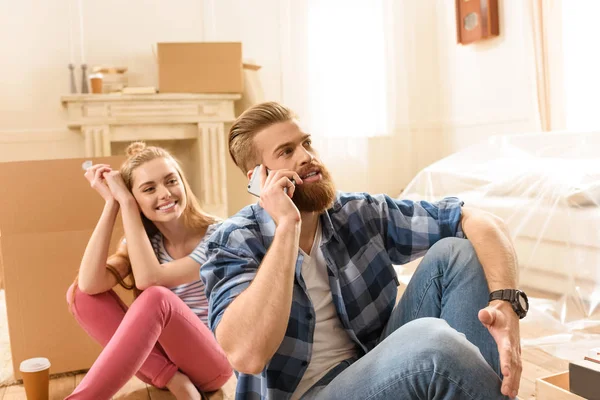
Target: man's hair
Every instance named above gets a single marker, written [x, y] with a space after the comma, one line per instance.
[247, 125]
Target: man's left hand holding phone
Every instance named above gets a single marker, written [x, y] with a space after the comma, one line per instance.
[275, 190]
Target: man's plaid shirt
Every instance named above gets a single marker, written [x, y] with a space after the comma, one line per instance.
[362, 236]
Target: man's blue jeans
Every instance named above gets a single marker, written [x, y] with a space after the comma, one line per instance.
[434, 346]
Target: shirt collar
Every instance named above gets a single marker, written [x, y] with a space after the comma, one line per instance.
[267, 225]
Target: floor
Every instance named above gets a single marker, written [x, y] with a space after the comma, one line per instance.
[134, 390]
[536, 363]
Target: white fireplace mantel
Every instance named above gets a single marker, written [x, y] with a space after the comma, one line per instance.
[107, 118]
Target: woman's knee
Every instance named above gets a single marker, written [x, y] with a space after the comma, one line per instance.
[155, 295]
[77, 298]
[72, 293]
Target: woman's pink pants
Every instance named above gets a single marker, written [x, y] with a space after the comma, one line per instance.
[157, 336]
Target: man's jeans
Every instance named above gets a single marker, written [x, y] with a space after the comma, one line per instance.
[434, 346]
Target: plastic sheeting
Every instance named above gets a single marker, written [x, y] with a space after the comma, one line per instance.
[546, 187]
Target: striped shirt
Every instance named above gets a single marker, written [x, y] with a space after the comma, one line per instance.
[191, 293]
[362, 236]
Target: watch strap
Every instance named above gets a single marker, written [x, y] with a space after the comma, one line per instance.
[504, 294]
[510, 295]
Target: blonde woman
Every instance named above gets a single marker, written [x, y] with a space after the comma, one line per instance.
[162, 338]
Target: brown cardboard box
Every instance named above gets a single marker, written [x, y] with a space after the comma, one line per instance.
[555, 387]
[584, 379]
[200, 67]
[47, 216]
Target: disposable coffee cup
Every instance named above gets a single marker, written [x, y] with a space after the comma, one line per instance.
[36, 373]
[96, 83]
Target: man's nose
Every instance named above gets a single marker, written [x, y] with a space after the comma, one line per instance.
[306, 157]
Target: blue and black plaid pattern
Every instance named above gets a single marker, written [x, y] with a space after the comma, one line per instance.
[363, 236]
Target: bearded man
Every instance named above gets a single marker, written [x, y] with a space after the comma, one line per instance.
[302, 289]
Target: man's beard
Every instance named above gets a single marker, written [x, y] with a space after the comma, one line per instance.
[315, 196]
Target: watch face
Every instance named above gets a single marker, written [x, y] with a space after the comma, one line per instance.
[523, 302]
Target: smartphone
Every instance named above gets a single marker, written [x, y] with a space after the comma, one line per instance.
[254, 184]
[86, 165]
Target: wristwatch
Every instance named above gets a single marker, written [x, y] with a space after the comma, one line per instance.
[517, 299]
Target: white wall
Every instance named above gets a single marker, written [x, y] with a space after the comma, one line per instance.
[447, 96]
[257, 25]
[264, 28]
[451, 96]
[35, 53]
[488, 87]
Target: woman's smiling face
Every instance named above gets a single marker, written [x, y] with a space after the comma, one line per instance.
[158, 190]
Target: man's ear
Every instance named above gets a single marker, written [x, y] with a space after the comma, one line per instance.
[251, 172]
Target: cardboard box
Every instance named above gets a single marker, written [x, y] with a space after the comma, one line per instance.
[554, 387]
[584, 379]
[253, 90]
[47, 216]
[200, 68]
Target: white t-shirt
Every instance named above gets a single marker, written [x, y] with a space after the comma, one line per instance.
[331, 343]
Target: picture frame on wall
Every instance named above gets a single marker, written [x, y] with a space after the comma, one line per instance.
[476, 20]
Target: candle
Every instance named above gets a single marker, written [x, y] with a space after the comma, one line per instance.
[71, 42]
[80, 4]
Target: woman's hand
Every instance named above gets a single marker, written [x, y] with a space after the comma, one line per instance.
[117, 187]
[95, 175]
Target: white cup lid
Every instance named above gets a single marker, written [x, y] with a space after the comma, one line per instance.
[35, 364]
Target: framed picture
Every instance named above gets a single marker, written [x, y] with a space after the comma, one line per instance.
[476, 20]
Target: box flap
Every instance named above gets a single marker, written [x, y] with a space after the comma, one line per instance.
[49, 195]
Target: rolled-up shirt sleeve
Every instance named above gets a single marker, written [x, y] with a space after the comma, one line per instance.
[410, 228]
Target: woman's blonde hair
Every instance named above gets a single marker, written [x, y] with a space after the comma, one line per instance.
[194, 218]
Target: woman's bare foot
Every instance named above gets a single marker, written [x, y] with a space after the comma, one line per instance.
[182, 387]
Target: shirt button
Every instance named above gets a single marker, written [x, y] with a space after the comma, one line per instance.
[304, 363]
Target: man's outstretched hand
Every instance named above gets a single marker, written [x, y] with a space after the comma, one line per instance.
[503, 323]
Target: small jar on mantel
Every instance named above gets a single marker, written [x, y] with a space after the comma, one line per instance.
[96, 83]
[114, 79]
